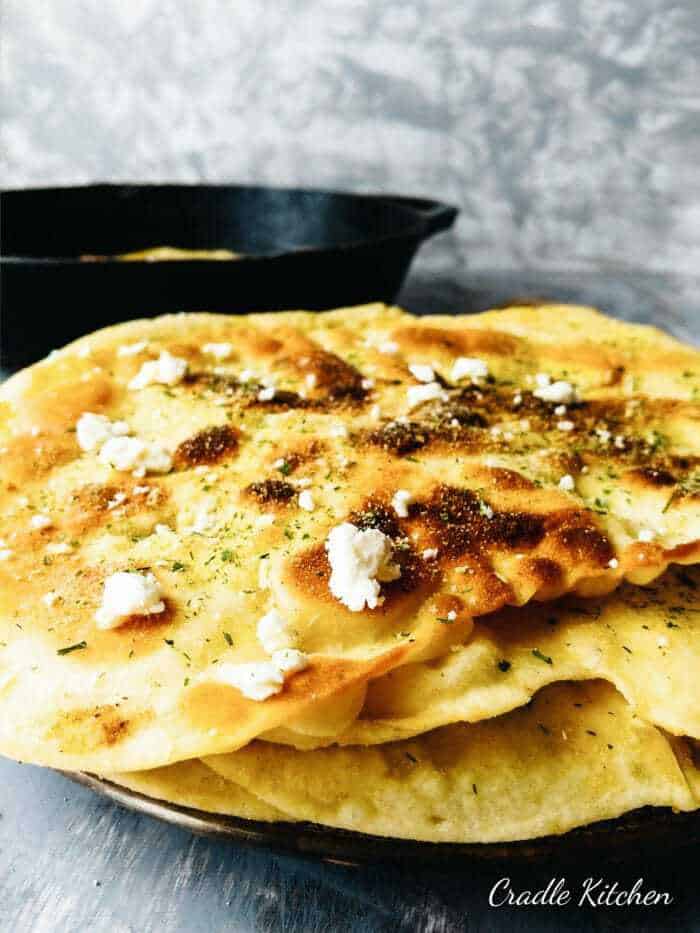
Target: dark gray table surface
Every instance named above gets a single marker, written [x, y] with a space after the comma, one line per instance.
[72, 861]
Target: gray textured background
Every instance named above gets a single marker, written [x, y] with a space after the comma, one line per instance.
[568, 131]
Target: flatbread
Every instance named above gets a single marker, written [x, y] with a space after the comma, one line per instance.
[575, 755]
[644, 641]
[477, 536]
[192, 784]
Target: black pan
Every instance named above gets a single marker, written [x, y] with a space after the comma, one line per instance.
[302, 249]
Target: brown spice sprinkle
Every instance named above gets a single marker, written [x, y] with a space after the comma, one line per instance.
[207, 446]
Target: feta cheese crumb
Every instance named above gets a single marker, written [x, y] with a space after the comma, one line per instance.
[416, 395]
[469, 367]
[48, 599]
[59, 547]
[613, 563]
[128, 593]
[422, 372]
[132, 349]
[135, 455]
[274, 632]
[567, 483]
[306, 501]
[375, 412]
[289, 660]
[400, 502]
[542, 379]
[257, 680]
[311, 379]
[360, 561]
[388, 346]
[565, 425]
[267, 394]
[338, 430]
[220, 351]
[367, 384]
[93, 430]
[166, 370]
[560, 392]
[430, 553]
[645, 535]
[451, 615]
[560, 411]
[41, 521]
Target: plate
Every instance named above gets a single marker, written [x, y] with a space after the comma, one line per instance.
[643, 830]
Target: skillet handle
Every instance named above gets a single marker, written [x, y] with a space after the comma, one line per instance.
[434, 215]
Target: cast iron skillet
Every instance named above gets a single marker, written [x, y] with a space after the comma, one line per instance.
[303, 249]
[643, 832]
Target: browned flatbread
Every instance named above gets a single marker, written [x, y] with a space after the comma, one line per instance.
[267, 405]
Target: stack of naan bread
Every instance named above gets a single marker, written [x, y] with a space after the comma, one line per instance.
[429, 578]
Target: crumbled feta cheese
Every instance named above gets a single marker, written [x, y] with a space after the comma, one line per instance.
[117, 499]
[303, 482]
[430, 553]
[375, 412]
[422, 372]
[257, 680]
[565, 425]
[603, 435]
[338, 430]
[128, 593]
[560, 392]
[620, 442]
[360, 561]
[41, 521]
[400, 502]
[204, 518]
[135, 455]
[48, 599]
[542, 379]
[613, 563]
[466, 367]
[311, 379]
[267, 394]
[167, 370]
[367, 384]
[306, 501]
[59, 547]
[274, 632]
[279, 464]
[645, 535]
[662, 641]
[567, 483]
[517, 399]
[388, 346]
[560, 410]
[265, 520]
[132, 349]
[416, 395]
[289, 660]
[93, 430]
[451, 615]
[220, 351]
[246, 375]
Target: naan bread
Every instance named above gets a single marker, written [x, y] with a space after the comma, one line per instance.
[272, 407]
[644, 641]
[575, 755]
[192, 784]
